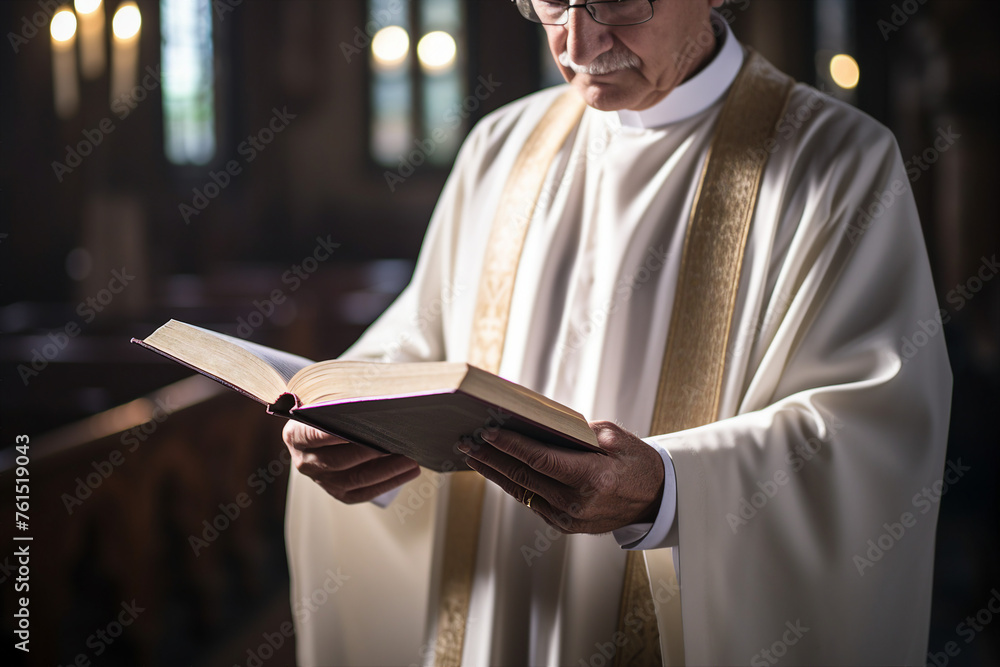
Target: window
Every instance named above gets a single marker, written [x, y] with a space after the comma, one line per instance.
[417, 69]
[188, 81]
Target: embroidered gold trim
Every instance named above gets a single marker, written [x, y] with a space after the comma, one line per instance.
[691, 377]
[496, 287]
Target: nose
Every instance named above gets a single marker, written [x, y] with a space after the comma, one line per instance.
[585, 38]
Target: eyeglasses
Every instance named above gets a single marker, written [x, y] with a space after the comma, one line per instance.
[605, 12]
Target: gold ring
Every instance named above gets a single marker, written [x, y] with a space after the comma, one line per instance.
[528, 498]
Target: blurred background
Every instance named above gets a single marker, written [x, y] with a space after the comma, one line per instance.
[267, 169]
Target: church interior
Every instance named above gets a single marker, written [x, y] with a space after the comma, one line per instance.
[267, 169]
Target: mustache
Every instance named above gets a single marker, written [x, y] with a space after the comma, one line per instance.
[618, 58]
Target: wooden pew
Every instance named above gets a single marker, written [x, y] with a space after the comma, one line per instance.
[172, 504]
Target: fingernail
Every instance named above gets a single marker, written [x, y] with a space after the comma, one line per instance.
[464, 447]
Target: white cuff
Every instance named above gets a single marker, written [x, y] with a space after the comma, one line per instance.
[661, 533]
[386, 498]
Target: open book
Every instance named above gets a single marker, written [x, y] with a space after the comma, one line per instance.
[419, 410]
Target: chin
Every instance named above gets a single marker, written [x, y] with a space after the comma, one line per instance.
[605, 96]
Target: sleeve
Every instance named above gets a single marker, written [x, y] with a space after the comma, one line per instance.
[786, 508]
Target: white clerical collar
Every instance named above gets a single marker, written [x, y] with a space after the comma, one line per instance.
[697, 93]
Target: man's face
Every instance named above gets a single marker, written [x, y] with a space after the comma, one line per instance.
[633, 67]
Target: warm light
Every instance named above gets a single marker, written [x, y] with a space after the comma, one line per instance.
[63, 26]
[845, 71]
[127, 21]
[390, 46]
[92, 52]
[436, 50]
[86, 6]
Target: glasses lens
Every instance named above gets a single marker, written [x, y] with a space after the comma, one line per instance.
[543, 11]
[608, 12]
[621, 12]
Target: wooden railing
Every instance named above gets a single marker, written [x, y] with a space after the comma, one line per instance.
[135, 508]
[156, 533]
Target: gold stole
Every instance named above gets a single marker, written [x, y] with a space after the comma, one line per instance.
[691, 379]
[496, 287]
[691, 376]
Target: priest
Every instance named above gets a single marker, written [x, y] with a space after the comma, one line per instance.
[722, 268]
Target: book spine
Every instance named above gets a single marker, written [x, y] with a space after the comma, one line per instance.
[284, 405]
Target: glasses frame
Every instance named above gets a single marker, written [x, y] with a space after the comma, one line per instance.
[592, 12]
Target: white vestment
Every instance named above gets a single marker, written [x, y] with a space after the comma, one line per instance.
[801, 526]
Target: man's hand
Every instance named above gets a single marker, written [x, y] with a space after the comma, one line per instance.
[350, 473]
[574, 491]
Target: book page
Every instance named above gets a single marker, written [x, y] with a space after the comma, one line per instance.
[285, 363]
[261, 371]
[336, 380]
